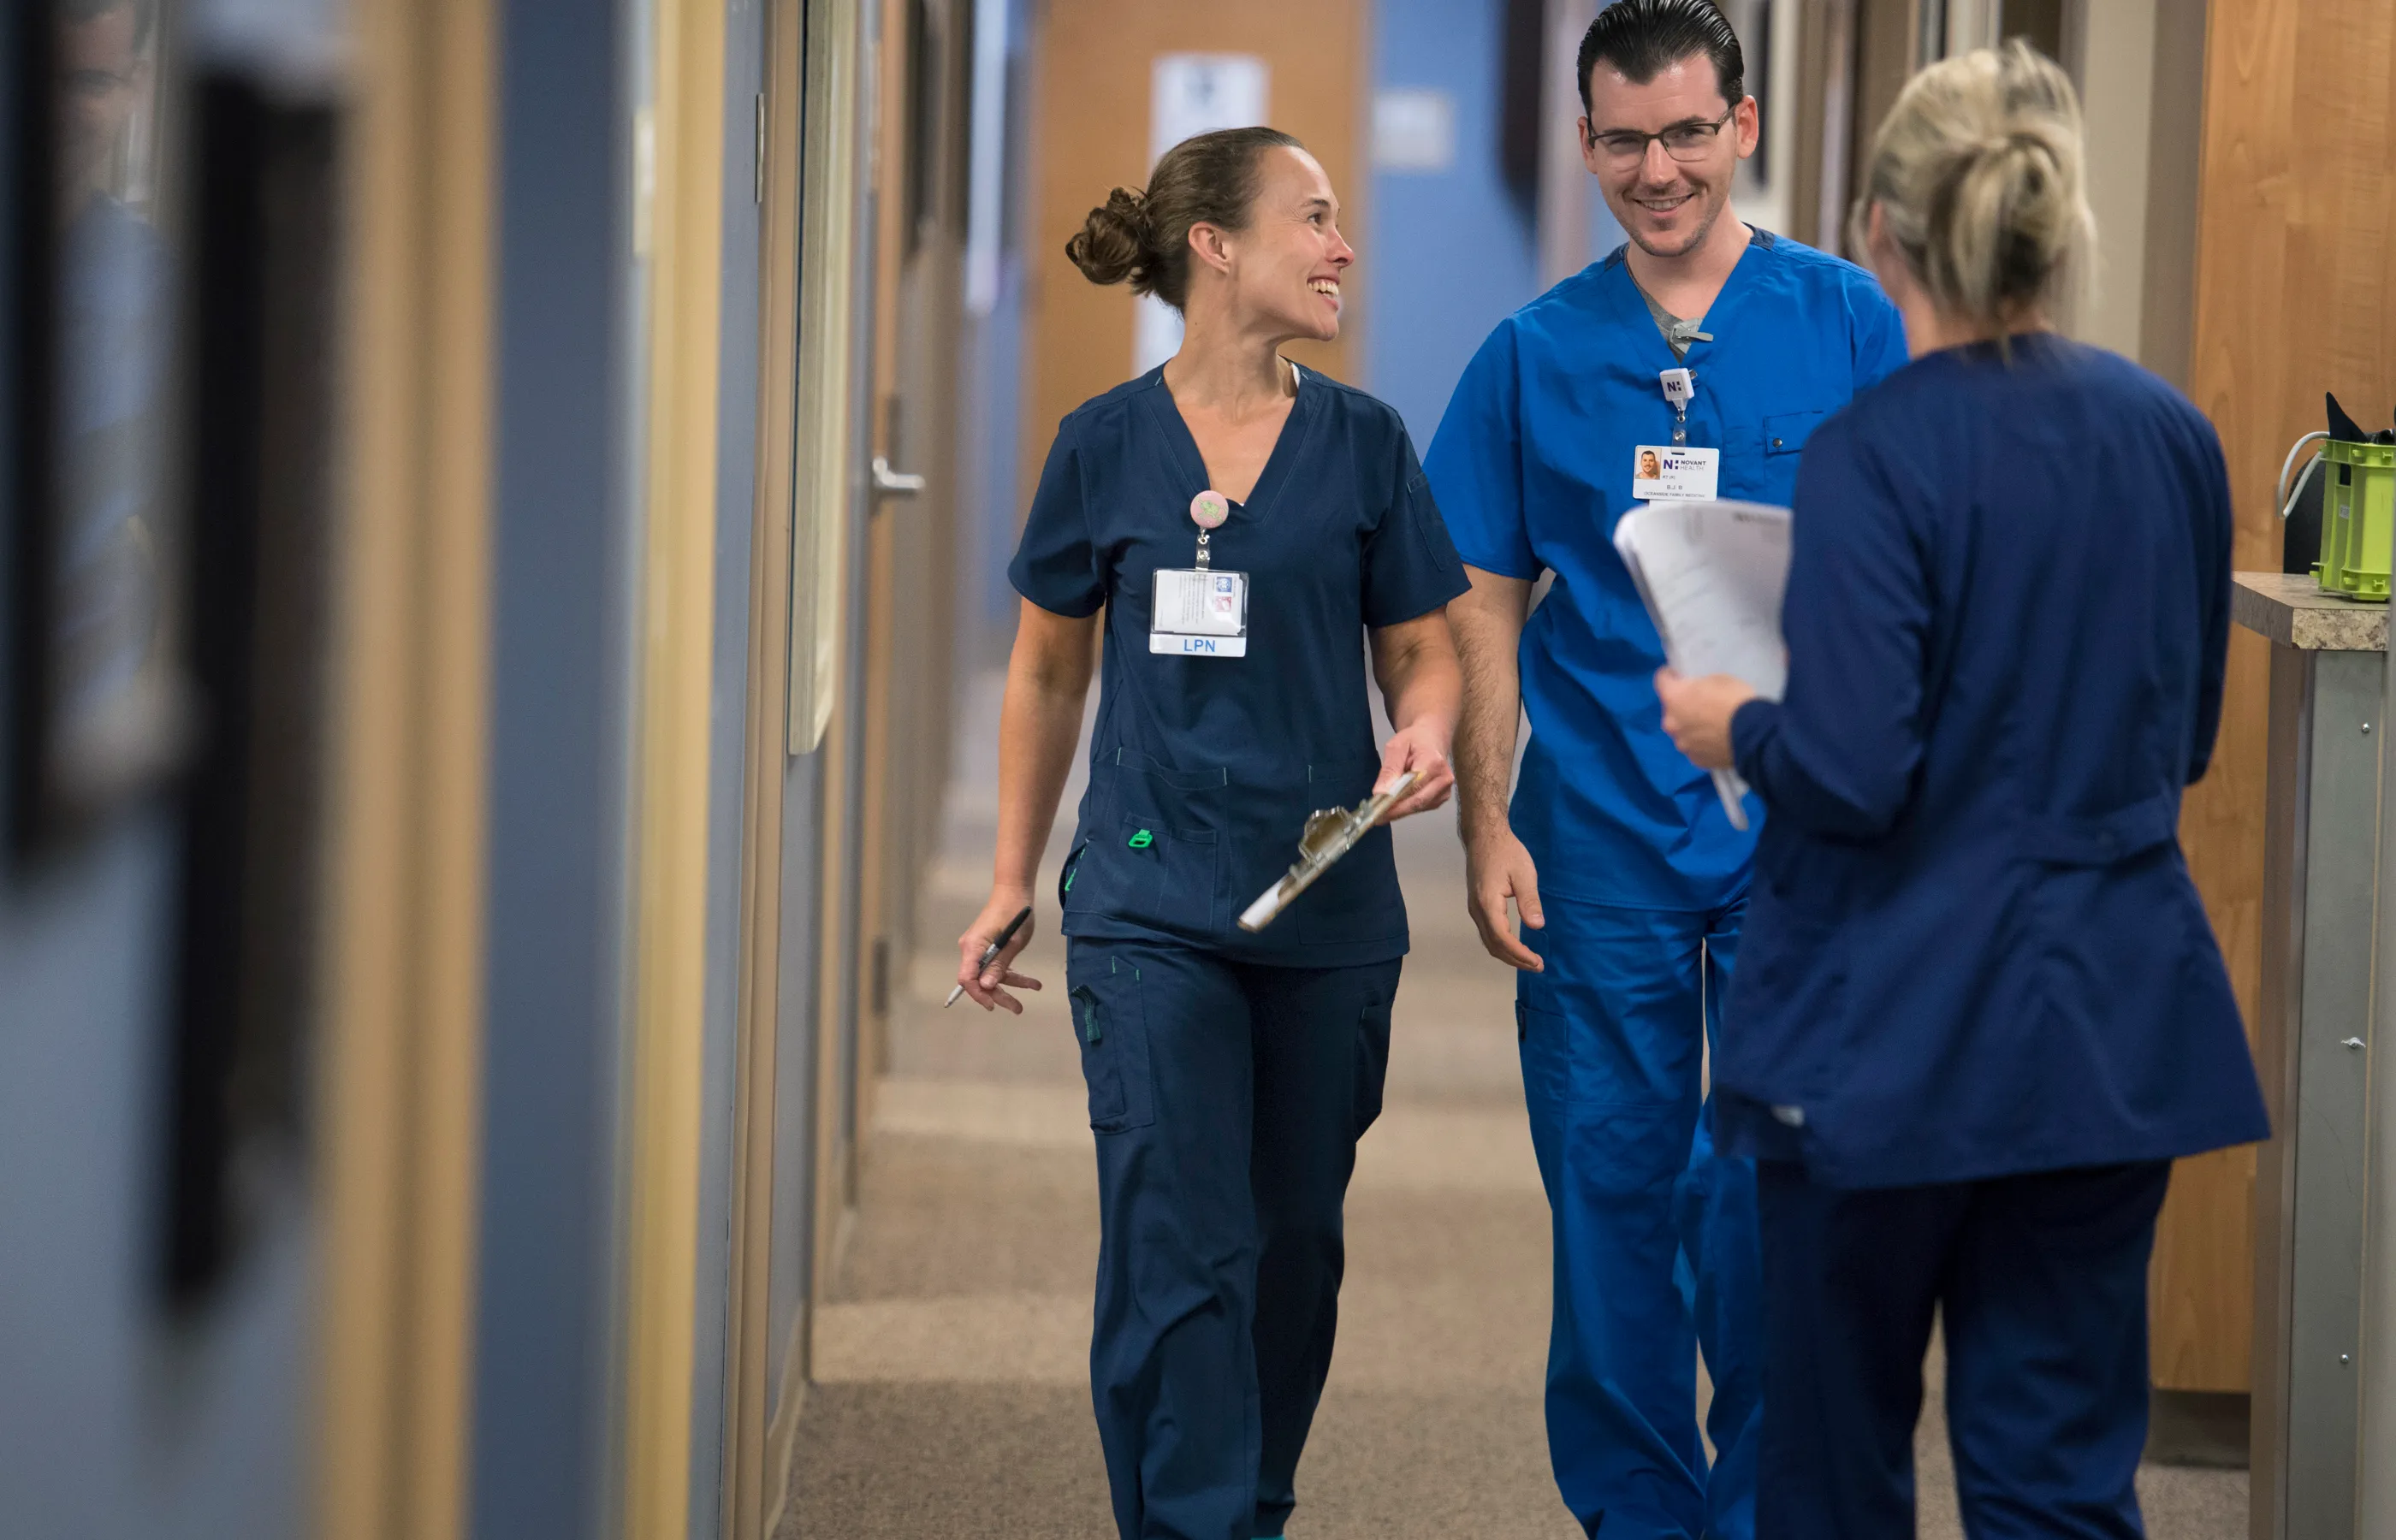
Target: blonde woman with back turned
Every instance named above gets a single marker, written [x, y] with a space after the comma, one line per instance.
[1980, 1009]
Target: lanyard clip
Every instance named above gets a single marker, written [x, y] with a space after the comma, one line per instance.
[1680, 389]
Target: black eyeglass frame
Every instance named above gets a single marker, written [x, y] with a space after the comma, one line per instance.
[1712, 133]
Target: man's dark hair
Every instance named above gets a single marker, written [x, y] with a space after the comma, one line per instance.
[1644, 38]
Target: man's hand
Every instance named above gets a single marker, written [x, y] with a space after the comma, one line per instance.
[985, 984]
[1697, 713]
[1422, 748]
[1496, 868]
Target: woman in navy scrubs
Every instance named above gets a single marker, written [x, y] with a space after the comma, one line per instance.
[1242, 529]
[1980, 1009]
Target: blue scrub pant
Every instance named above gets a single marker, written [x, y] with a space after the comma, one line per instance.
[1227, 1099]
[1655, 1244]
[2040, 1282]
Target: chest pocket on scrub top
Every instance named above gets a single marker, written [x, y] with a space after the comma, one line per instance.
[1785, 433]
[1154, 860]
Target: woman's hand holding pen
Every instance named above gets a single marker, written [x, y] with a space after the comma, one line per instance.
[1422, 747]
[1697, 713]
[988, 983]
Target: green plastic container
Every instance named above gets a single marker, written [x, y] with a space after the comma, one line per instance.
[2358, 518]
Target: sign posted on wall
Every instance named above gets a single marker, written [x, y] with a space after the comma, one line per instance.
[1191, 93]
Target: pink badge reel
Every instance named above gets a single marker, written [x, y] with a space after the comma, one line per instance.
[1209, 509]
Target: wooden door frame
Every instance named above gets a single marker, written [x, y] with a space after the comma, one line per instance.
[665, 1099]
[755, 1460]
[400, 1087]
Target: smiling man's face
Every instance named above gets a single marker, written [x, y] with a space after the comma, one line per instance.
[1668, 204]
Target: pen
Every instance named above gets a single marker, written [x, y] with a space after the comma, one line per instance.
[992, 950]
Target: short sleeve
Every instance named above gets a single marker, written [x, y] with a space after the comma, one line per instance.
[1476, 463]
[1879, 335]
[1055, 563]
[1410, 564]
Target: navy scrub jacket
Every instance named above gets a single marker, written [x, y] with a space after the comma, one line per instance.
[1202, 770]
[1973, 947]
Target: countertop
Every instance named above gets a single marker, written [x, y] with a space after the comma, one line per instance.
[2293, 611]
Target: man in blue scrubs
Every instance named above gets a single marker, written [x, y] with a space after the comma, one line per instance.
[1691, 363]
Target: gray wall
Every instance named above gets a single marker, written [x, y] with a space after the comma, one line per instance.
[562, 647]
[114, 1420]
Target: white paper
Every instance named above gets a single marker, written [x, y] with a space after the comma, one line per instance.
[1712, 575]
[1191, 94]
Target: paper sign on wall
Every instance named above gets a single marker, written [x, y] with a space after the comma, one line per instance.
[1414, 130]
[1191, 93]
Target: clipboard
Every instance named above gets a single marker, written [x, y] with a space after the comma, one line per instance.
[1329, 834]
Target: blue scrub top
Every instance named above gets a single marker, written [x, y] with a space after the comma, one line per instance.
[1202, 770]
[1533, 464]
[1974, 949]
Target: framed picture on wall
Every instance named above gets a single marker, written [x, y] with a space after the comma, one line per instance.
[99, 686]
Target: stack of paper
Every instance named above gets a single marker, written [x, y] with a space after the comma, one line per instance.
[1713, 574]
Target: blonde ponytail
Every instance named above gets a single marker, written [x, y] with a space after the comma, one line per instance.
[1978, 172]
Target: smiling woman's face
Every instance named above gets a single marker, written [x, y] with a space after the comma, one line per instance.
[1286, 266]
[1667, 204]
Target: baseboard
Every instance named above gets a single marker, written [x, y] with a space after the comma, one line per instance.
[2199, 1428]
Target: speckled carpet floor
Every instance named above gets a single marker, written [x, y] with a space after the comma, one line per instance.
[950, 1398]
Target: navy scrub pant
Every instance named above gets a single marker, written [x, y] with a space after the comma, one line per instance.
[1227, 1100]
[2041, 1285]
[1655, 1243]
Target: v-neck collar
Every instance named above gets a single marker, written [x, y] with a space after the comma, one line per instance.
[1630, 301]
[1193, 464]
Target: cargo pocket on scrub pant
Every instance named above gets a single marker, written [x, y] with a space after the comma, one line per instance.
[1110, 1020]
[1544, 1041]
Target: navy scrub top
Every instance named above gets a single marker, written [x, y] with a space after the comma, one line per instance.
[1533, 466]
[1202, 770]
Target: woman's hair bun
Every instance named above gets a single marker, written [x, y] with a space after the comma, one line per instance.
[1208, 178]
[1979, 172]
[1115, 242]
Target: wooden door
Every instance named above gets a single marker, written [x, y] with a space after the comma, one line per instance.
[1092, 134]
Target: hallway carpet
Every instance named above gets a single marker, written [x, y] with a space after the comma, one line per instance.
[950, 1398]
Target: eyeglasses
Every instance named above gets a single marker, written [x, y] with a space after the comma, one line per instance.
[1682, 142]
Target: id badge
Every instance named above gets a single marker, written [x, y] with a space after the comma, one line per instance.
[1201, 612]
[1666, 472]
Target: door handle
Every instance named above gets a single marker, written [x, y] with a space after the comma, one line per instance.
[892, 483]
